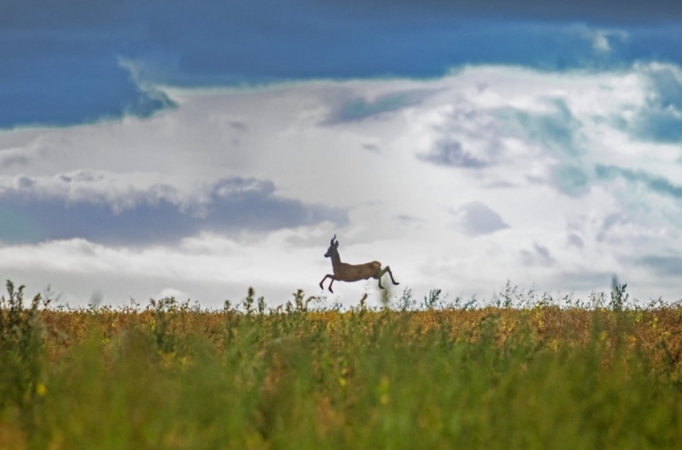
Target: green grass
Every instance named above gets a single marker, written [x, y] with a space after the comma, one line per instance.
[175, 376]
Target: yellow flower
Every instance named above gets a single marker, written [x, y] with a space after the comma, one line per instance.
[41, 389]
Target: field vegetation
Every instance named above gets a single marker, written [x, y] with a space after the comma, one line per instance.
[522, 371]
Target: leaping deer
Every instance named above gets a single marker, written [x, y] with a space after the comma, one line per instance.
[352, 272]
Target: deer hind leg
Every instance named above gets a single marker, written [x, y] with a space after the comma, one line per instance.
[388, 269]
[378, 275]
[381, 274]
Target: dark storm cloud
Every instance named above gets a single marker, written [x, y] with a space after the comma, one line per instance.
[230, 205]
[62, 59]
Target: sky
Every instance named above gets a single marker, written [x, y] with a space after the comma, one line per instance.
[196, 148]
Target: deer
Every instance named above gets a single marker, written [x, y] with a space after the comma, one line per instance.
[352, 272]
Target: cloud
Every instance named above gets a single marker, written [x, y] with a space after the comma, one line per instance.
[477, 219]
[208, 268]
[465, 136]
[81, 206]
[169, 202]
[475, 138]
[405, 218]
[587, 279]
[575, 240]
[610, 226]
[669, 266]
[118, 192]
[557, 131]
[571, 180]
[451, 153]
[357, 109]
[660, 118]
[102, 62]
[601, 42]
[655, 183]
[12, 159]
[538, 256]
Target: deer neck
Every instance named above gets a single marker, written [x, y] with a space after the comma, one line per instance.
[336, 260]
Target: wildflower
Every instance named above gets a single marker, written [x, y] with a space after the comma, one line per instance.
[41, 389]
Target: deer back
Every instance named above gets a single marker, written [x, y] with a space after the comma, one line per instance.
[354, 272]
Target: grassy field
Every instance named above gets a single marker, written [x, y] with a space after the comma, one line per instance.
[524, 374]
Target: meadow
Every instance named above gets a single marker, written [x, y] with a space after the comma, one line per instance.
[521, 371]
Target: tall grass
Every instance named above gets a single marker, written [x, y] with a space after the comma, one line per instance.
[522, 374]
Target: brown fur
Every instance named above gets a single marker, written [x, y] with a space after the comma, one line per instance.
[355, 272]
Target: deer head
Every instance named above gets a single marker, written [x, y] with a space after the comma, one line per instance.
[332, 248]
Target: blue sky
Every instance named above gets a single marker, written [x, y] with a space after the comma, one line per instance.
[542, 139]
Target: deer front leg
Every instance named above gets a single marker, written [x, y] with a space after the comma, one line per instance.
[330, 284]
[325, 277]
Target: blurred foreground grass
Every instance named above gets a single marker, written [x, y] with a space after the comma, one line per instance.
[172, 375]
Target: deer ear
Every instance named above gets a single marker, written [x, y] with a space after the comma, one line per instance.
[336, 244]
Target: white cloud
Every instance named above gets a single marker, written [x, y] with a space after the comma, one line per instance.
[522, 145]
[600, 42]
